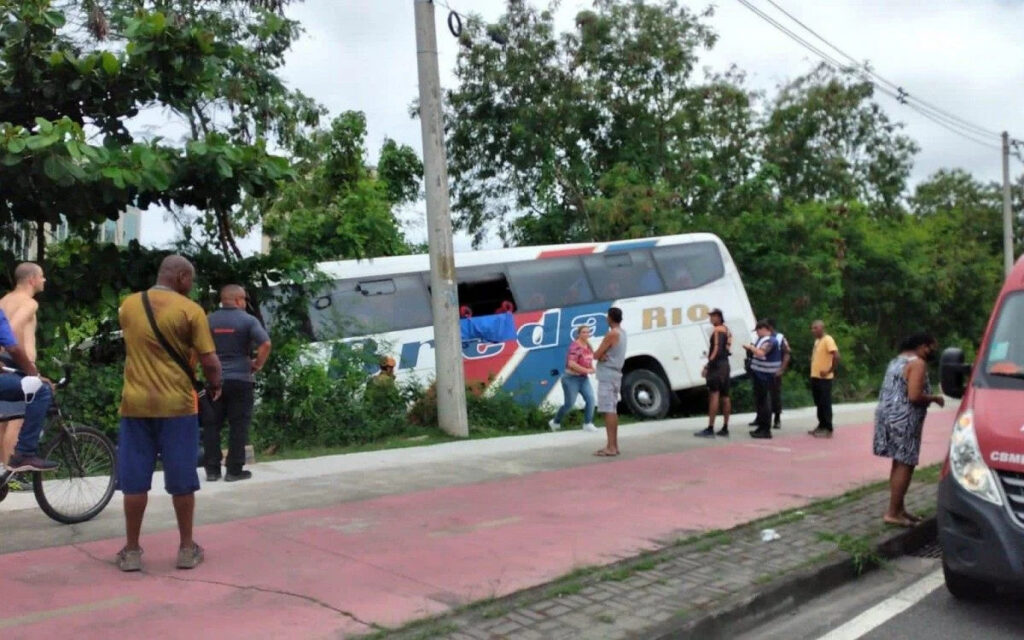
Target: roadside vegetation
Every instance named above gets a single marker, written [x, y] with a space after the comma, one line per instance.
[808, 186]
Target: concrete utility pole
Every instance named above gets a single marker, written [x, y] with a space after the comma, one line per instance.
[1007, 213]
[444, 294]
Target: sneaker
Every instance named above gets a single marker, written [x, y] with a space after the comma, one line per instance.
[244, 474]
[212, 476]
[761, 434]
[822, 433]
[553, 426]
[21, 462]
[815, 430]
[129, 559]
[706, 433]
[589, 427]
[777, 425]
[190, 558]
[723, 432]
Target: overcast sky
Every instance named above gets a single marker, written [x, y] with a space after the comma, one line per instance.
[964, 56]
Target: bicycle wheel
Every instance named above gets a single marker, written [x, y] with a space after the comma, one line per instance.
[84, 482]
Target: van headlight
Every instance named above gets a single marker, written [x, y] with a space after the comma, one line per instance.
[966, 463]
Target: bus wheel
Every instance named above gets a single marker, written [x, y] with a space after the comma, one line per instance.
[646, 394]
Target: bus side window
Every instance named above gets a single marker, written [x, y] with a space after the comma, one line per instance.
[549, 283]
[688, 266]
[362, 307]
[623, 274]
[484, 290]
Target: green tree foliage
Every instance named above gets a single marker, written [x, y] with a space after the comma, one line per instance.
[606, 131]
[550, 132]
[65, 148]
[825, 139]
[339, 207]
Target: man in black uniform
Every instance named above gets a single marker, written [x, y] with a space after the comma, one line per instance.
[718, 377]
[236, 335]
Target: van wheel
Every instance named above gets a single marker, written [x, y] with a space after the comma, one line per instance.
[646, 394]
[966, 588]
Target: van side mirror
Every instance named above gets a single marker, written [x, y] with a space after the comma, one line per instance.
[953, 372]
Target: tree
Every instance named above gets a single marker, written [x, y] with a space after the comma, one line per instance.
[339, 207]
[825, 139]
[60, 95]
[244, 99]
[545, 130]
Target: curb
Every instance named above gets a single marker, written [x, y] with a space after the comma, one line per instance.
[784, 595]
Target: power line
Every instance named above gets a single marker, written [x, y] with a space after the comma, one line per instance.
[944, 119]
[866, 68]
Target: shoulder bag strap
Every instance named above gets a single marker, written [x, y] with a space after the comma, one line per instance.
[177, 357]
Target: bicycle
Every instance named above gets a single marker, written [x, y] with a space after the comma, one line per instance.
[85, 480]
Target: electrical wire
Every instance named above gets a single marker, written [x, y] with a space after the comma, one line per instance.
[948, 121]
[953, 117]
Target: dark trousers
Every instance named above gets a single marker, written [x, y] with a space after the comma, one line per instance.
[235, 406]
[822, 391]
[775, 390]
[763, 400]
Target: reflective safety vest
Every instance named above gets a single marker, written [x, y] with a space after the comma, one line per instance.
[772, 362]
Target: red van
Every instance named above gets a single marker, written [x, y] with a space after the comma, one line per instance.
[981, 494]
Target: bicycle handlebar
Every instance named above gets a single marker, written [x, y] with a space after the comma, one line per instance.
[59, 384]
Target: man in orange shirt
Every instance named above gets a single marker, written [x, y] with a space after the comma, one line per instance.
[159, 406]
[824, 359]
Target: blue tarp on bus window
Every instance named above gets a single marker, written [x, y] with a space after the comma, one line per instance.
[499, 327]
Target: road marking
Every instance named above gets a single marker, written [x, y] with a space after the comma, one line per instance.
[886, 610]
[49, 614]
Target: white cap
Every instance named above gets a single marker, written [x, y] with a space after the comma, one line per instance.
[30, 384]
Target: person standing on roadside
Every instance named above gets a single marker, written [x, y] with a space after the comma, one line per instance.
[766, 362]
[163, 332]
[776, 384]
[610, 356]
[718, 376]
[824, 360]
[576, 380]
[20, 307]
[899, 419]
[236, 335]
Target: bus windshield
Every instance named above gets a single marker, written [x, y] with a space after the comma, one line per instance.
[1004, 362]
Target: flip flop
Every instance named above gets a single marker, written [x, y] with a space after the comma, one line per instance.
[605, 454]
[906, 523]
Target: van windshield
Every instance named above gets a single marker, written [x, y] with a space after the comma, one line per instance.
[1003, 366]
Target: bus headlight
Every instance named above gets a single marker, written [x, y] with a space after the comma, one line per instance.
[966, 463]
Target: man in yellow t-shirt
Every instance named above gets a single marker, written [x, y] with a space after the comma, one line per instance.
[159, 406]
[824, 359]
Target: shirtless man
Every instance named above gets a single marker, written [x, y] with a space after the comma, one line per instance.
[20, 308]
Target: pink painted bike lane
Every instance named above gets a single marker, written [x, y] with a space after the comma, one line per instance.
[335, 571]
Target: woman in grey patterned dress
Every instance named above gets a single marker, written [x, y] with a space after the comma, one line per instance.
[899, 417]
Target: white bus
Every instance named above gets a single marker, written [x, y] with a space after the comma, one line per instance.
[665, 287]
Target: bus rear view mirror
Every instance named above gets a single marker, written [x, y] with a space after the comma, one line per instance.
[953, 372]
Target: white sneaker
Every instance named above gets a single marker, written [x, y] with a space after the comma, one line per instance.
[590, 427]
[553, 426]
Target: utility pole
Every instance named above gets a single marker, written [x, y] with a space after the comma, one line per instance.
[1007, 213]
[444, 296]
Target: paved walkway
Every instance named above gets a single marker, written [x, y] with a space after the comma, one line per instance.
[338, 545]
[658, 594]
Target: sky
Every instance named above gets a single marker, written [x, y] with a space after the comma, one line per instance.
[963, 56]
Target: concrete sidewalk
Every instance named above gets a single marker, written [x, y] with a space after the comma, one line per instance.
[352, 543]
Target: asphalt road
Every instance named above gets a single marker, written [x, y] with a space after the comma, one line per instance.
[940, 616]
[905, 601]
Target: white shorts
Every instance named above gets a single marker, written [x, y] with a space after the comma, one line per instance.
[608, 395]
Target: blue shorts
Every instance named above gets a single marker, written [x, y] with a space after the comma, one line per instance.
[175, 440]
